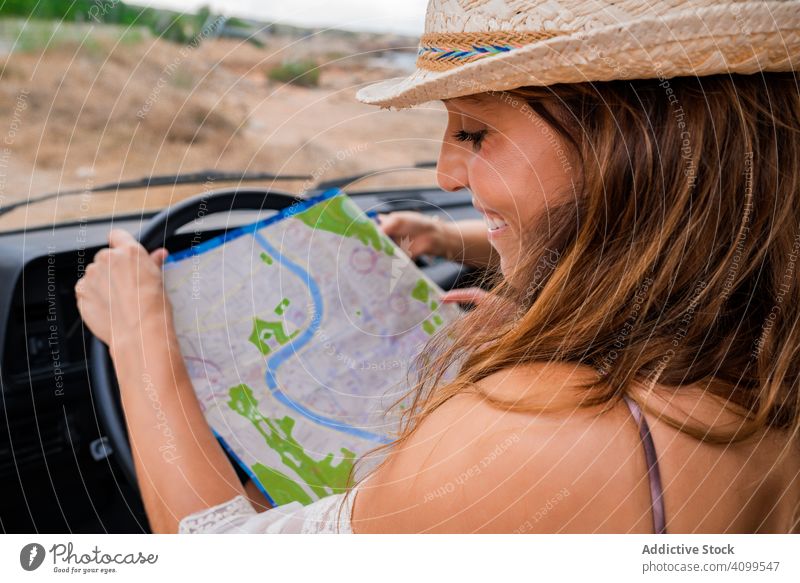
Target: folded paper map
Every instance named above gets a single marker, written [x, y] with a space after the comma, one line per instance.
[299, 332]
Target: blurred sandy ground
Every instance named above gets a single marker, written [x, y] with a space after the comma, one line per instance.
[85, 113]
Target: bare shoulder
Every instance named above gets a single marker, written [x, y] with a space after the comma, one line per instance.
[474, 467]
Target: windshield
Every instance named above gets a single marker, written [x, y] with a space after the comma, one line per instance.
[98, 93]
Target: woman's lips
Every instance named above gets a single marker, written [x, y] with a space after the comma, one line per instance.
[494, 223]
[495, 226]
[494, 233]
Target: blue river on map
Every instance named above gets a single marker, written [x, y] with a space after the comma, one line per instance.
[285, 352]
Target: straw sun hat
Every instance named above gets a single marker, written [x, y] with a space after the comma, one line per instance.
[472, 46]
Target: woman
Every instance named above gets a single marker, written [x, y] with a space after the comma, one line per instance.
[634, 368]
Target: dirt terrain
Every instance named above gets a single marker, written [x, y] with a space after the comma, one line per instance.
[109, 108]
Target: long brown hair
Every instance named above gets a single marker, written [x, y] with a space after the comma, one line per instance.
[674, 261]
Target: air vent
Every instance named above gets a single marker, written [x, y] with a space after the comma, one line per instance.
[44, 328]
[30, 441]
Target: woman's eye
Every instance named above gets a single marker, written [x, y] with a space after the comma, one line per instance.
[475, 137]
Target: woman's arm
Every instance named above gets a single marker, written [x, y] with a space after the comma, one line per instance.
[419, 234]
[180, 466]
[466, 242]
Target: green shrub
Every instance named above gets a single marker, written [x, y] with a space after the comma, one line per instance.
[304, 73]
[94, 40]
[168, 24]
[183, 79]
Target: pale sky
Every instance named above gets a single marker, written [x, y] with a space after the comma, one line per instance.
[401, 16]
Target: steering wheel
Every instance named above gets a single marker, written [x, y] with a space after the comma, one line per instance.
[153, 235]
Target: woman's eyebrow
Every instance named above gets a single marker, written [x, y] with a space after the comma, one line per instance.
[471, 100]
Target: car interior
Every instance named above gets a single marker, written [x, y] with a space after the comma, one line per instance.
[62, 456]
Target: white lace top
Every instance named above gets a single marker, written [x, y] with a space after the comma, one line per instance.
[238, 516]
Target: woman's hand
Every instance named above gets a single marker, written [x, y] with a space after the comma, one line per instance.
[460, 241]
[121, 288]
[416, 233]
[465, 295]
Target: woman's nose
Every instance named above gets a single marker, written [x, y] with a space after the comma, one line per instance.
[451, 169]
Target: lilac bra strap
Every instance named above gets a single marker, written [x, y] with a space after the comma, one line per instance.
[653, 474]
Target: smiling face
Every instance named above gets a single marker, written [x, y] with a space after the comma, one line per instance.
[509, 158]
